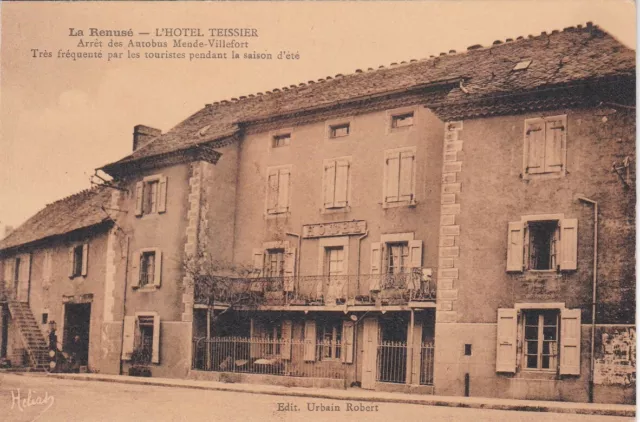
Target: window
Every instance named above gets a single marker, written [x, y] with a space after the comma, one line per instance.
[278, 183]
[402, 120]
[339, 131]
[45, 318]
[78, 256]
[334, 261]
[142, 333]
[330, 338]
[147, 268]
[281, 140]
[548, 339]
[151, 195]
[399, 176]
[274, 263]
[393, 259]
[336, 182]
[397, 255]
[540, 339]
[538, 243]
[545, 145]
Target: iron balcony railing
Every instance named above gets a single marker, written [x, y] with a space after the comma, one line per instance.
[367, 289]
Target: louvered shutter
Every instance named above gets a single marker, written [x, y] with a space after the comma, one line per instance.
[285, 348]
[157, 271]
[342, 184]
[329, 184]
[284, 180]
[139, 197]
[85, 258]
[162, 194]
[392, 175]
[258, 261]
[376, 251]
[348, 331]
[569, 244]
[71, 262]
[515, 247]
[128, 336]
[507, 340]
[535, 144]
[289, 268]
[135, 269]
[407, 161]
[415, 253]
[570, 342]
[309, 341]
[155, 352]
[272, 192]
[554, 145]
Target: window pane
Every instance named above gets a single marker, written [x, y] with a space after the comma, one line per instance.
[532, 347]
[531, 318]
[545, 362]
[550, 333]
[532, 361]
[531, 333]
[550, 318]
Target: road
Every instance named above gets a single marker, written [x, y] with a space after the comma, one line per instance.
[69, 400]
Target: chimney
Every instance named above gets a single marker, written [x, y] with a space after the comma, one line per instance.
[142, 135]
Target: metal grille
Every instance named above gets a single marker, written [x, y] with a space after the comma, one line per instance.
[393, 358]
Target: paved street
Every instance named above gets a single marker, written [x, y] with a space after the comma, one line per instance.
[70, 400]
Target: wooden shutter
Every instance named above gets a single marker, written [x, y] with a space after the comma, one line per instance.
[370, 336]
[157, 271]
[515, 247]
[285, 348]
[310, 341]
[329, 184]
[348, 332]
[570, 342]
[155, 352]
[128, 336]
[507, 340]
[258, 261]
[71, 262]
[534, 146]
[135, 269]
[139, 197]
[162, 194]
[283, 190]
[289, 268]
[392, 175]
[272, 191]
[555, 130]
[376, 261]
[569, 244]
[415, 253]
[85, 258]
[342, 184]
[407, 160]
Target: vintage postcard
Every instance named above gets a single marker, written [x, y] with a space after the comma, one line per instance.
[420, 210]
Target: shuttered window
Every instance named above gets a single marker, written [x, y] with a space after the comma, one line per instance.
[78, 260]
[399, 176]
[545, 145]
[151, 195]
[336, 182]
[142, 333]
[278, 185]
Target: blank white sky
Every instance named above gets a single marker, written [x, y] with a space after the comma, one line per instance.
[60, 119]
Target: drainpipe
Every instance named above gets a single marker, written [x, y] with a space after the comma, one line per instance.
[594, 291]
[124, 302]
[410, 348]
[299, 252]
[366, 233]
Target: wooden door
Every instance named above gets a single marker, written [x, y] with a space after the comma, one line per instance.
[370, 353]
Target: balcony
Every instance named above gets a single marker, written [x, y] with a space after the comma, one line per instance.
[327, 291]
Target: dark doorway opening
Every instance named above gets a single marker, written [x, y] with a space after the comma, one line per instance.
[392, 351]
[4, 314]
[77, 318]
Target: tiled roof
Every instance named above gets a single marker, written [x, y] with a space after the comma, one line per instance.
[74, 212]
[557, 58]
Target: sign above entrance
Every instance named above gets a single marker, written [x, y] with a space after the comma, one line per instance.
[342, 228]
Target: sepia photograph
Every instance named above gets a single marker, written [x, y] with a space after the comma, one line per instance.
[310, 210]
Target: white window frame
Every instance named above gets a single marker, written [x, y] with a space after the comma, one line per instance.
[333, 123]
[392, 115]
[546, 173]
[333, 242]
[387, 175]
[332, 207]
[279, 209]
[279, 132]
[539, 339]
[141, 193]
[137, 270]
[84, 261]
[334, 346]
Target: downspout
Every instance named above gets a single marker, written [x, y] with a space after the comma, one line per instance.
[594, 292]
[366, 233]
[298, 253]
[124, 301]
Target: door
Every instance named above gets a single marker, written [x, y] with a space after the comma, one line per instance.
[77, 319]
[370, 353]
[334, 270]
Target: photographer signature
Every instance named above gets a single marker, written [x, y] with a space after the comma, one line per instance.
[31, 400]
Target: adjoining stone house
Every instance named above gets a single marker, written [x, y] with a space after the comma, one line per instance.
[327, 213]
[55, 269]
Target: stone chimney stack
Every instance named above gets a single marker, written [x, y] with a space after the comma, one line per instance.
[142, 135]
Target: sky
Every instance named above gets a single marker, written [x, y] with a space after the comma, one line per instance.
[61, 119]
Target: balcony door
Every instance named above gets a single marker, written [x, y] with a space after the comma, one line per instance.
[334, 272]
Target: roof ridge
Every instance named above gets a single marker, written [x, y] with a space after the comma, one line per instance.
[589, 26]
[75, 195]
